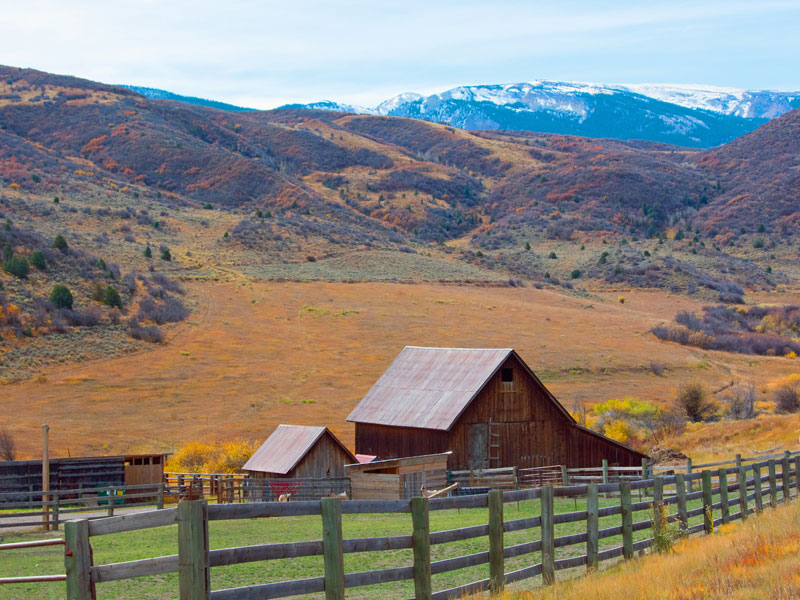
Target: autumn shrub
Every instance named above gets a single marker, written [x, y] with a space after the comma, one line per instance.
[8, 447]
[787, 398]
[225, 457]
[632, 421]
[693, 400]
[61, 297]
[146, 333]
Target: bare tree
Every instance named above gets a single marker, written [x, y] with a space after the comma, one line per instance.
[8, 450]
[741, 401]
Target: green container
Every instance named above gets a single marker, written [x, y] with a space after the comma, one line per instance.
[119, 497]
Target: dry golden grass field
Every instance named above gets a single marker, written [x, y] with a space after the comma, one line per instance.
[258, 353]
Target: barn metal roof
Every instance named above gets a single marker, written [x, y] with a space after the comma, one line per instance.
[428, 388]
[286, 447]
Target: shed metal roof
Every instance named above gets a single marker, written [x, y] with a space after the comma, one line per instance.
[286, 447]
[428, 388]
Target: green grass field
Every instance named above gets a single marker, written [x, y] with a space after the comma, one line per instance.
[224, 534]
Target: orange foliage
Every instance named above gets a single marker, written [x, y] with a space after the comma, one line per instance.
[93, 145]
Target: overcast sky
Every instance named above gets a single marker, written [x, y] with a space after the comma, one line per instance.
[264, 54]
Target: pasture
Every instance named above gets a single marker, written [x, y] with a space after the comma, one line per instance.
[259, 353]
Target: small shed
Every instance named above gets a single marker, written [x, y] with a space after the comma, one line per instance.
[398, 478]
[299, 451]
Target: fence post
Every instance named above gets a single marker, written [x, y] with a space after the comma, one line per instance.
[333, 556]
[658, 505]
[496, 560]
[627, 519]
[605, 470]
[689, 472]
[160, 498]
[421, 543]
[564, 476]
[797, 476]
[77, 560]
[592, 526]
[757, 487]
[785, 475]
[738, 464]
[680, 492]
[723, 495]
[193, 572]
[773, 484]
[548, 537]
[741, 477]
[54, 496]
[708, 500]
[110, 501]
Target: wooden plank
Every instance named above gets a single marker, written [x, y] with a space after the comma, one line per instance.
[519, 524]
[786, 478]
[459, 562]
[219, 512]
[797, 476]
[462, 591]
[592, 526]
[741, 480]
[548, 536]
[379, 576]
[267, 591]
[144, 520]
[773, 484]
[398, 542]
[723, 497]
[242, 554]
[708, 523]
[658, 505]
[77, 560]
[496, 562]
[680, 494]
[193, 571]
[135, 568]
[331, 509]
[757, 497]
[454, 535]
[520, 549]
[627, 519]
[421, 543]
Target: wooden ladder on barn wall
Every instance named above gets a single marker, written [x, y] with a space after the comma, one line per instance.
[494, 444]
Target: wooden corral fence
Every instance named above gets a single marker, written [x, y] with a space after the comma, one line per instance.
[746, 488]
[227, 488]
[48, 509]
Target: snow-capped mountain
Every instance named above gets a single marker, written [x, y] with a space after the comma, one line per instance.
[686, 115]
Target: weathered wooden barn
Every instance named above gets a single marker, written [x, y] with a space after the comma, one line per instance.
[299, 451]
[485, 405]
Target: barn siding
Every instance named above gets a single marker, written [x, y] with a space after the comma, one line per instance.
[534, 432]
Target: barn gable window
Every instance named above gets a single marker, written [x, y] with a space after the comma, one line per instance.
[507, 379]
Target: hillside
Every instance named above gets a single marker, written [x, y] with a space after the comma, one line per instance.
[314, 195]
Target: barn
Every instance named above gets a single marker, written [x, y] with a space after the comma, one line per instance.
[485, 405]
[299, 452]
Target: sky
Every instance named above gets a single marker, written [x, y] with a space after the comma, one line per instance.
[269, 53]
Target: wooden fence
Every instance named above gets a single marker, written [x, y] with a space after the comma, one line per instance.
[227, 488]
[748, 488]
[51, 507]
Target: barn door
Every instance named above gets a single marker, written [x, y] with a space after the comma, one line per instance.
[478, 446]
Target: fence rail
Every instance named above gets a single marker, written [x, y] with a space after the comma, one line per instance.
[747, 488]
[49, 508]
